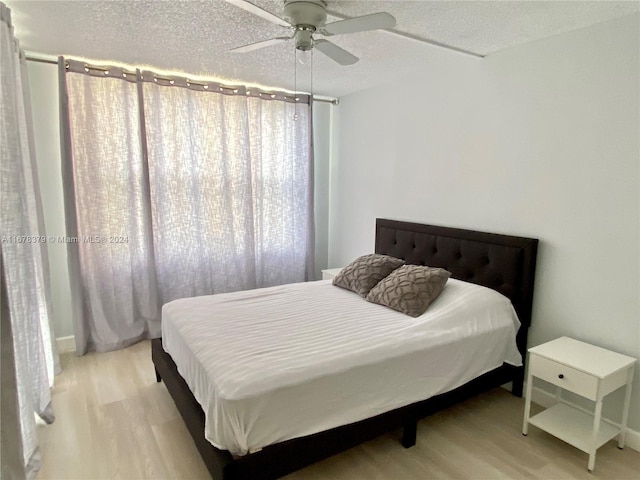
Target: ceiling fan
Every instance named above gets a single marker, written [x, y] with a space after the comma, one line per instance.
[307, 18]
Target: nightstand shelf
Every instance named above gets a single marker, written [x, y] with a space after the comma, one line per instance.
[589, 371]
[573, 426]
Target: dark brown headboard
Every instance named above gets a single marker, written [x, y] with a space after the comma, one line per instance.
[502, 262]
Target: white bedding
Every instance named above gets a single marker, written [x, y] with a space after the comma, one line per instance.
[276, 363]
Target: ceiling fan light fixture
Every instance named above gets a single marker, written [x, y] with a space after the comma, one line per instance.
[304, 39]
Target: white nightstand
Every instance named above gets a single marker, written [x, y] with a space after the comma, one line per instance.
[589, 371]
[329, 273]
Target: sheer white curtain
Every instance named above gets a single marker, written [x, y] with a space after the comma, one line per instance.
[107, 212]
[210, 186]
[29, 358]
[230, 179]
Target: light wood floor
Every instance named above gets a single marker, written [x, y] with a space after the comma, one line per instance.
[115, 421]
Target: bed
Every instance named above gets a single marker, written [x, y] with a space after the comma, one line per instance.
[505, 264]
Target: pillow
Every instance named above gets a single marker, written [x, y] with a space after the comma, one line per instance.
[410, 289]
[365, 272]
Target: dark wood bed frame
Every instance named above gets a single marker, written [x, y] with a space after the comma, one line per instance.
[501, 262]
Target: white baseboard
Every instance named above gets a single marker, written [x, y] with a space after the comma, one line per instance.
[66, 344]
[546, 399]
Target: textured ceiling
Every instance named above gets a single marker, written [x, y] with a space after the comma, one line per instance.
[196, 36]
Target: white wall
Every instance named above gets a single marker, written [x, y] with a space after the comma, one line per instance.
[539, 140]
[43, 82]
[322, 113]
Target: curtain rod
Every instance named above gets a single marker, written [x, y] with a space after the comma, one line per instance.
[31, 58]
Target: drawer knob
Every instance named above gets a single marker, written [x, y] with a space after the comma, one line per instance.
[561, 376]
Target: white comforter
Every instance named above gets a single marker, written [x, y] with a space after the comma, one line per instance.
[277, 363]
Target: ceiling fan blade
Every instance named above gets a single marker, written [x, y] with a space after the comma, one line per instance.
[335, 53]
[255, 46]
[360, 24]
[250, 7]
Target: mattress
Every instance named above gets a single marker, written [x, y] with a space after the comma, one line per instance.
[272, 364]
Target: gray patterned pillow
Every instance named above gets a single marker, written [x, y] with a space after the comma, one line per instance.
[410, 289]
[365, 272]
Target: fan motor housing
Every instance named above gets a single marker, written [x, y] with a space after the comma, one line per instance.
[307, 13]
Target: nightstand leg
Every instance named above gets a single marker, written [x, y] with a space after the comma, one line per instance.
[625, 409]
[594, 435]
[527, 405]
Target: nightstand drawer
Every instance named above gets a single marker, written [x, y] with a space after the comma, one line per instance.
[566, 377]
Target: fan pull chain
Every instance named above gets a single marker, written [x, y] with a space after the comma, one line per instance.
[311, 87]
[295, 83]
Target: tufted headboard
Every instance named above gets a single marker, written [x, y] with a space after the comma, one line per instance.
[502, 262]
